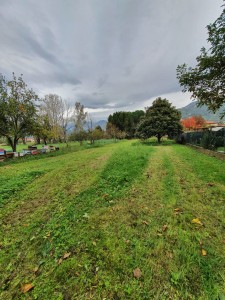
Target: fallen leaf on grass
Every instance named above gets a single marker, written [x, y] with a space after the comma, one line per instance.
[178, 210]
[94, 243]
[48, 234]
[170, 255]
[204, 252]
[35, 269]
[196, 221]
[60, 261]
[165, 227]
[145, 222]
[86, 216]
[210, 184]
[26, 287]
[66, 255]
[137, 273]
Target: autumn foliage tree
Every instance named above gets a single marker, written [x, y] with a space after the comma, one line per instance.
[193, 122]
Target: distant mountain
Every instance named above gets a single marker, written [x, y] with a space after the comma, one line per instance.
[101, 123]
[192, 110]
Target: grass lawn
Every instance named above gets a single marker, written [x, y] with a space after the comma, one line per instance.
[21, 146]
[122, 221]
[220, 149]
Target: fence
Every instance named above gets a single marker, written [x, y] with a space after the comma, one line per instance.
[210, 139]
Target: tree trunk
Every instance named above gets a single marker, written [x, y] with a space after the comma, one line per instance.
[159, 138]
[15, 141]
[38, 140]
[10, 142]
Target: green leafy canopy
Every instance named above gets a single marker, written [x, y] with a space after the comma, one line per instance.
[160, 119]
[206, 81]
[17, 109]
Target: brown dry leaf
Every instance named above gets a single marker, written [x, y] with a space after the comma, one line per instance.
[127, 241]
[25, 225]
[170, 255]
[137, 273]
[66, 255]
[35, 269]
[196, 221]
[60, 261]
[165, 227]
[178, 211]
[105, 196]
[204, 252]
[26, 287]
[145, 222]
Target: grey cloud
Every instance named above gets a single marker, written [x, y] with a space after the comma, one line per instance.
[102, 81]
[109, 54]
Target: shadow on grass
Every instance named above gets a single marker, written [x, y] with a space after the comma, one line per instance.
[64, 150]
[154, 142]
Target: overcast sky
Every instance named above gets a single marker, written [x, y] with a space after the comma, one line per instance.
[110, 55]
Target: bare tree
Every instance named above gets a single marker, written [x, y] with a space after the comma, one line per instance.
[66, 118]
[59, 114]
[79, 117]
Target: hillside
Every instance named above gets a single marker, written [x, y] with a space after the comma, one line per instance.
[192, 110]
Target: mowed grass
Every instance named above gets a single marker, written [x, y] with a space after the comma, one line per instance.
[77, 225]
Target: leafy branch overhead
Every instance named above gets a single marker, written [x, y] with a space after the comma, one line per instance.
[206, 81]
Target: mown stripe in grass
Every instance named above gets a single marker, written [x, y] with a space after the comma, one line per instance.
[197, 200]
[125, 165]
[206, 167]
[59, 176]
[10, 187]
[68, 228]
[171, 188]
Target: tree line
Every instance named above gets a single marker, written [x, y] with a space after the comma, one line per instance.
[51, 118]
[23, 113]
[158, 120]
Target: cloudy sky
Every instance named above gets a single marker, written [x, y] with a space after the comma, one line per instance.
[110, 55]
